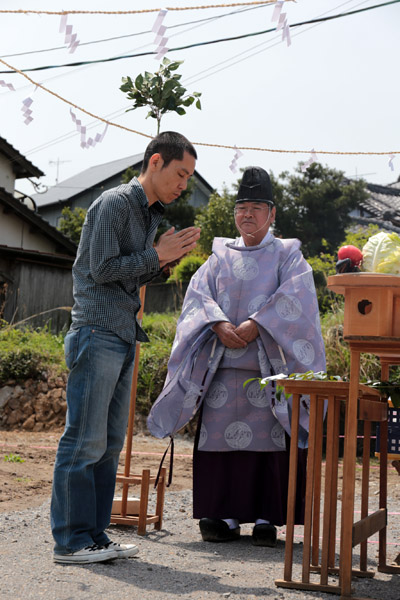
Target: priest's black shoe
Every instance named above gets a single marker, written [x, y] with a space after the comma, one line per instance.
[216, 530]
[264, 534]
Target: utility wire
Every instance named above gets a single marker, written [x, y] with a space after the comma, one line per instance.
[196, 24]
[193, 79]
[207, 144]
[261, 47]
[207, 43]
[129, 35]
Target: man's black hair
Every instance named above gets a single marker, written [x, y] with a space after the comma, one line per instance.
[171, 145]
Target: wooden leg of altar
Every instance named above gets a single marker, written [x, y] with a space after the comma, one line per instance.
[349, 462]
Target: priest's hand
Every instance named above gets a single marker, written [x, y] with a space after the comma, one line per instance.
[247, 330]
[228, 336]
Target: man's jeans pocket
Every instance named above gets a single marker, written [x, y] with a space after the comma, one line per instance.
[71, 343]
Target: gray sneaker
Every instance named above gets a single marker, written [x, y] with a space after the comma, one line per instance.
[90, 554]
[123, 550]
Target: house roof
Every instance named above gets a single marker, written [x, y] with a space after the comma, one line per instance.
[13, 204]
[94, 176]
[383, 203]
[22, 167]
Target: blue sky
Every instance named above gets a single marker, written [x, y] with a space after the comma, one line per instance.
[335, 88]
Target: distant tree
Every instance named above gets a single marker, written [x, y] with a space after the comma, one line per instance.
[216, 219]
[129, 174]
[161, 91]
[72, 222]
[314, 206]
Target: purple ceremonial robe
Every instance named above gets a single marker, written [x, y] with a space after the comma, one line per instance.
[272, 284]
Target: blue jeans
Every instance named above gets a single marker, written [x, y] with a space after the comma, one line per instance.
[98, 396]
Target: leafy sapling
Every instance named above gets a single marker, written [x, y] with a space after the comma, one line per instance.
[161, 92]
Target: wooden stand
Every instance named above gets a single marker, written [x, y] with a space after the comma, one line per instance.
[126, 511]
[372, 305]
[371, 325]
[319, 557]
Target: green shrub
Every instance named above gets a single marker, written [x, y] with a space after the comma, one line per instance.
[26, 352]
[323, 266]
[187, 267]
[153, 359]
[19, 365]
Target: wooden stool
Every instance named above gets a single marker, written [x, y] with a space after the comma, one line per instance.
[141, 518]
[139, 515]
[321, 558]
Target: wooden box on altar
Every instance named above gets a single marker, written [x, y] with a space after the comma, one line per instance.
[372, 303]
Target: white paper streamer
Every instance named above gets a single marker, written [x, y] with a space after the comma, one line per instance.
[286, 34]
[26, 111]
[63, 23]
[160, 29]
[233, 165]
[89, 142]
[392, 156]
[281, 22]
[159, 19]
[7, 85]
[313, 158]
[70, 38]
[277, 10]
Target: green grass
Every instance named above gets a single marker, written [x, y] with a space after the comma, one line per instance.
[14, 458]
[337, 350]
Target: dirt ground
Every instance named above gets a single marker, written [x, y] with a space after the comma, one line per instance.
[27, 461]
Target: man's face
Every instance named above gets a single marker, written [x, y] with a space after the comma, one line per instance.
[254, 219]
[169, 182]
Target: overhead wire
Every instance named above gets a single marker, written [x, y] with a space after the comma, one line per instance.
[265, 45]
[316, 21]
[198, 23]
[192, 79]
[209, 42]
[122, 111]
[129, 35]
[209, 145]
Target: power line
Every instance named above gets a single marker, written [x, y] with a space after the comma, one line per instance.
[129, 35]
[225, 146]
[207, 43]
[192, 79]
[263, 47]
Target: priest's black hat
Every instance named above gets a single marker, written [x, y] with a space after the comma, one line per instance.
[255, 186]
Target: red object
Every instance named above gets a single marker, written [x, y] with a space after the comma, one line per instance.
[351, 252]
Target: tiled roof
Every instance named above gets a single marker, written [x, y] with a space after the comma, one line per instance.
[22, 167]
[383, 203]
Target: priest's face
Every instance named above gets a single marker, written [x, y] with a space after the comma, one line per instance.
[253, 219]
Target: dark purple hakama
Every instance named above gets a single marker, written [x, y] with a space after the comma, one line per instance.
[246, 485]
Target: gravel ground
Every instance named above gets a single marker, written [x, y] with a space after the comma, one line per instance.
[171, 563]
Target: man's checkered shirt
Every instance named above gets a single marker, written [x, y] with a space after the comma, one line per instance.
[115, 257]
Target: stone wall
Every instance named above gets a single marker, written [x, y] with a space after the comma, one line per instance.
[33, 405]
